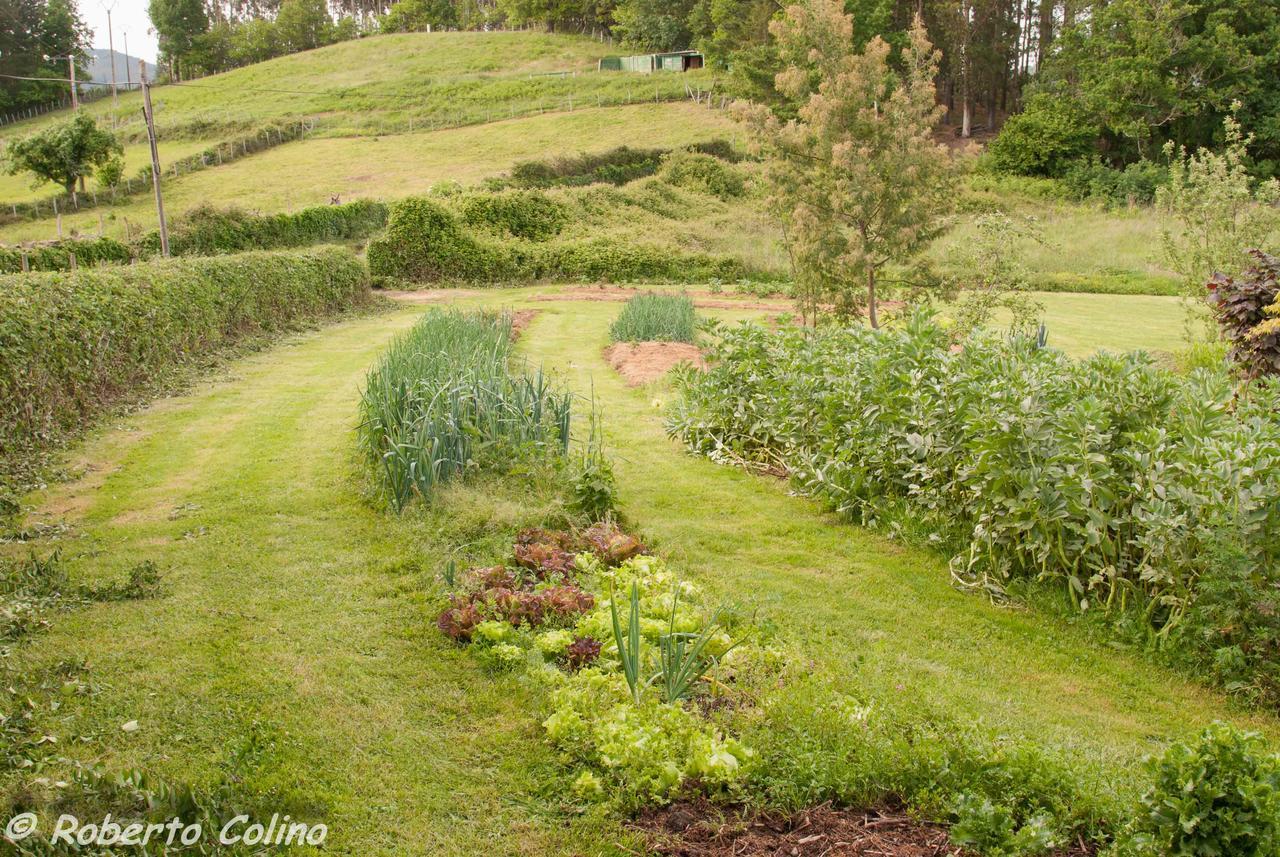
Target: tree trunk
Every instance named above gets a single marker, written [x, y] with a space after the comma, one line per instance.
[872, 315]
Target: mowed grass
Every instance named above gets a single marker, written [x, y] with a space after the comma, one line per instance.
[312, 171]
[297, 619]
[879, 618]
[298, 615]
[1080, 324]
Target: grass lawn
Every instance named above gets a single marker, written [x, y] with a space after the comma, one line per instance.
[1080, 324]
[299, 616]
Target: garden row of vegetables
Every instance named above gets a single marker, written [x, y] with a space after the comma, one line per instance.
[652, 694]
[1147, 496]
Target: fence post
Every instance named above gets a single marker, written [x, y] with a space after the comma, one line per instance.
[26, 263]
[72, 258]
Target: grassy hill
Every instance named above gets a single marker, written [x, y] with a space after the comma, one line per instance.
[394, 115]
[378, 84]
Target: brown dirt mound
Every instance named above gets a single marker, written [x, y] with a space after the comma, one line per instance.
[520, 320]
[703, 830]
[641, 362]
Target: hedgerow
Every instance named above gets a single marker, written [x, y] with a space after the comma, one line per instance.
[56, 256]
[74, 344]
[1148, 497]
[426, 242]
[207, 230]
[615, 166]
[519, 214]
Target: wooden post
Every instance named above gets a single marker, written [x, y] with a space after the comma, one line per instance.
[72, 258]
[149, 114]
[26, 263]
[75, 99]
[59, 226]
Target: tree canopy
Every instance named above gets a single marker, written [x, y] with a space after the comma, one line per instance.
[66, 153]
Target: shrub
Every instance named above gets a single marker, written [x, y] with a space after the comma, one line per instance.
[1136, 183]
[425, 241]
[207, 231]
[520, 214]
[56, 256]
[74, 344]
[444, 399]
[1244, 309]
[702, 173]
[1043, 140]
[1119, 481]
[653, 317]
[1218, 796]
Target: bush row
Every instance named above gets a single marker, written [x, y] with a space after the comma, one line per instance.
[206, 230]
[614, 166]
[56, 256]
[74, 344]
[1148, 497]
[426, 242]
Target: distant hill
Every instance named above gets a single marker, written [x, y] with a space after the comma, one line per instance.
[126, 67]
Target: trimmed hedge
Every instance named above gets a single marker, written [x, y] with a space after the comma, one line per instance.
[74, 344]
[56, 256]
[616, 166]
[425, 242]
[526, 214]
[208, 231]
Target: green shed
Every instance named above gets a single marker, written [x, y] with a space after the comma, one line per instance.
[646, 63]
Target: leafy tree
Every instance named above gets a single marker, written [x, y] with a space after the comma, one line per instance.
[409, 16]
[1046, 139]
[66, 153]
[303, 25]
[179, 24]
[993, 276]
[34, 42]
[856, 179]
[1214, 214]
[1153, 71]
[653, 25]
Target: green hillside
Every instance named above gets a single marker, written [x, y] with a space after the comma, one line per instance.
[380, 83]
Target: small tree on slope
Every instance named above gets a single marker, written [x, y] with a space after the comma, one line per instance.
[857, 179]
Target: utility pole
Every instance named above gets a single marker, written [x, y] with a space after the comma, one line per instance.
[75, 99]
[111, 46]
[149, 115]
[128, 75]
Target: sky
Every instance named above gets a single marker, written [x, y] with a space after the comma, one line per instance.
[127, 16]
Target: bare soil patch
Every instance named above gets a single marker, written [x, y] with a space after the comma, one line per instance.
[703, 830]
[641, 362]
[520, 319]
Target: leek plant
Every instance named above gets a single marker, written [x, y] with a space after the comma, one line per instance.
[653, 317]
[446, 396]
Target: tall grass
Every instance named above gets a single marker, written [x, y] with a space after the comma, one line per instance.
[654, 317]
[446, 397]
